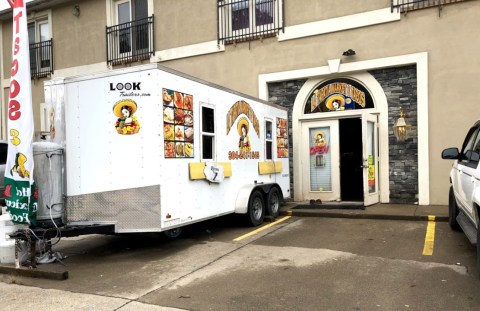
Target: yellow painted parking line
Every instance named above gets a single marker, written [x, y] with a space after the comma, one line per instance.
[429, 237]
[261, 229]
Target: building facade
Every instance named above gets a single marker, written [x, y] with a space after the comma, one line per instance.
[347, 71]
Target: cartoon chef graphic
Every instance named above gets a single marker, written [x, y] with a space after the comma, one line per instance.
[244, 141]
[126, 123]
[320, 139]
[335, 102]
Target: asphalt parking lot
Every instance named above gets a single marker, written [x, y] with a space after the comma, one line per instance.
[294, 264]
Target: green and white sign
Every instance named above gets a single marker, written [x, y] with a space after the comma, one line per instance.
[20, 190]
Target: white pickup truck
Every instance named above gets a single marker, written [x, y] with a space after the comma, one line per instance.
[464, 195]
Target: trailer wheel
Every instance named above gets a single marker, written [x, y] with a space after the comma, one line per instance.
[173, 233]
[256, 209]
[273, 204]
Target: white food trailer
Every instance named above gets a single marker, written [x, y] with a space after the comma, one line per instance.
[149, 149]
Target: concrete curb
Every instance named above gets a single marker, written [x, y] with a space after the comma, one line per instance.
[34, 273]
[390, 214]
[303, 213]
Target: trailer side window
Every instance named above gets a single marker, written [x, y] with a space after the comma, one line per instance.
[208, 133]
[268, 140]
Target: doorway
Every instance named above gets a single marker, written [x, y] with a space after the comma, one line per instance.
[340, 159]
[351, 159]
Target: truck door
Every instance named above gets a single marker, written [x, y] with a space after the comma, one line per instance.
[467, 170]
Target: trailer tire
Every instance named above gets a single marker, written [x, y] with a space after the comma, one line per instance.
[256, 209]
[173, 234]
[273, 202]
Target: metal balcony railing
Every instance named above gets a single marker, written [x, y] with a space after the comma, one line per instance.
[130, 42]
[244, 20]
[41, 59]
[410, 5]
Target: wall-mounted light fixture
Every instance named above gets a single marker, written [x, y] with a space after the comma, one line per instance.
[349, 52]
[76, 10]
[400, 129]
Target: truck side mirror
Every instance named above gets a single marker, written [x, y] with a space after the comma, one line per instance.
[450, 154]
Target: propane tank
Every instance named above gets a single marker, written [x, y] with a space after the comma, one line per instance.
[48, 175]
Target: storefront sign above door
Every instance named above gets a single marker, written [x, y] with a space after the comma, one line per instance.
[338, 95]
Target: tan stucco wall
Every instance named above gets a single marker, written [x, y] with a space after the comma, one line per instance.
[184, 22]
[453, 69]
[305, 11]
[76, 40]
[79, 40]
[7, 48]
[451, 41]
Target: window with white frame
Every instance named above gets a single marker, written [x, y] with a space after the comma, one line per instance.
[128, 11]
[268, 140]
[131, 36]
[240, 20]
[41, 52]
[208, 133]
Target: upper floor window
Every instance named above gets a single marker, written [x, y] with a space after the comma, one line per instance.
[240, 20]
[41, 52]
[242, 11]
[131, 39]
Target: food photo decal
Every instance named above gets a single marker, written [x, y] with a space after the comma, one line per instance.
[177, 124]
[127, 123]
[282, 138]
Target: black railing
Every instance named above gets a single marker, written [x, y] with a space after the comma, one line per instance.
[130, 42]
[41, 59]
[244, 20]
[410, 5]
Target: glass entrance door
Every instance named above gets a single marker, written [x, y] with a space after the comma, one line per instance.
[370, 159]
[320, 161]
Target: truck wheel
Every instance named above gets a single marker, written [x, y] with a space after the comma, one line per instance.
[452, 211]
[273, 204]
[256, 209]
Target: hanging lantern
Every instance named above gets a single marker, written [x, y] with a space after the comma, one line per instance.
[400, 129]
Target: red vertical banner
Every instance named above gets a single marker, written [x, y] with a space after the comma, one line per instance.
[20, 193]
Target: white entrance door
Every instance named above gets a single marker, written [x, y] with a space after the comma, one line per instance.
[370, 159]
[320, 161]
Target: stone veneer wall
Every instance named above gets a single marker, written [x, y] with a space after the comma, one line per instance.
[400, 86]
[284, 94]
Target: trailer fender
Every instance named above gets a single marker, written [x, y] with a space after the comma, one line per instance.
[241, 203]
[243, 196]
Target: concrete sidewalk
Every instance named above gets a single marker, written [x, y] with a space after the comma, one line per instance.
[376, 211]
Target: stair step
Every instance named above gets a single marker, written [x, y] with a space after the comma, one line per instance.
[468, 228]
